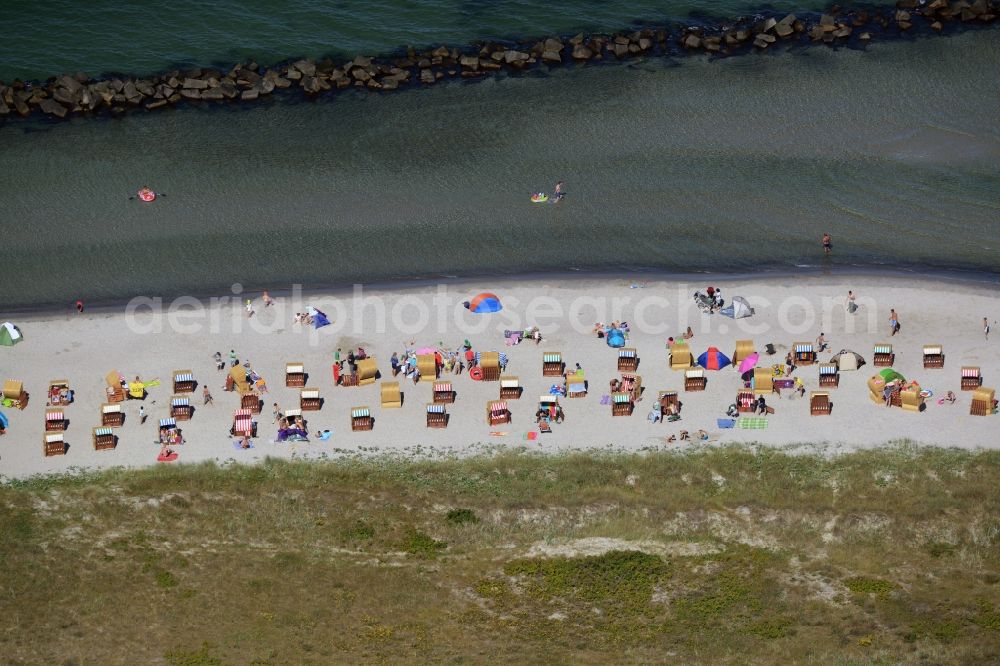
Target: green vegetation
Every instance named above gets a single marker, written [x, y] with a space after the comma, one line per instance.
[886, 556]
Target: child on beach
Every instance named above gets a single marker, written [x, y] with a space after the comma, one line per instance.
[206, 396]
[219, 363]
[266, 297]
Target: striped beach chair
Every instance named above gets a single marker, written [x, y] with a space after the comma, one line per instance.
[883, 356]
[242, 422]
[497, 412]
[933, 356]
[309, 400]
[112, 414]
[295, 374]
[251, 401]
[632, 384]
[437, 416]
[628, 360]
[104, 438]
[361, 418]
[183, 381]
[621, 404]
[510, 388]
[971, 378]
[169, 422]
[53, 444]
[180, 408]
[804, 353]
[745, 401]
[489, 363]
[829, 375]
[444, 394]
[55, 419]
[552, 364]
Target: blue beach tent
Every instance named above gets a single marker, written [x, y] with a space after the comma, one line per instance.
[615, 338]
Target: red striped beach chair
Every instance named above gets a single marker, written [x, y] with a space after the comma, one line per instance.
[242, 422]
[745, 401]
[971, 378]
[497, 412]
[55, 420]
[444, 394]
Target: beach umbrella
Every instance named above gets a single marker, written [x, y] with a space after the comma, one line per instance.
[484, 303]
[427, 350]
[713, 359]
[9, 335]
[4, 423]
[319, 319]
[891, 375]
[749, 363]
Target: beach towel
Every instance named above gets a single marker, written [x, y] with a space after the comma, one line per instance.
[753, 423]
[531, 435]
[605, 399]
[162, 458]
[151, 383]
[498, 433]
[326, 435]
[726, 423]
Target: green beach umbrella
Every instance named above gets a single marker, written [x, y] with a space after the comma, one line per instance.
[889, 375]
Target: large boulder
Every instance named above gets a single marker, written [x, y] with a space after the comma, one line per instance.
[427, 76]
[307, 67]
[551, 56]
[692, 41]
[53, 108]
[511, 57]
[552, 45]
[191, 84]
[469, 62]
[250, 94]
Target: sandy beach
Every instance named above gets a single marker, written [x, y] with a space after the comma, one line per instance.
[84, 348]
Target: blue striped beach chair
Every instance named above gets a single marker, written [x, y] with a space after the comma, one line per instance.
[804, 353]
[437, 416]
[104, 438]
[180, 408]
[183, 381]
[622, 404]
[883, 357]
[552, 364]
[361, 418]
[828, 375]
[628, 359]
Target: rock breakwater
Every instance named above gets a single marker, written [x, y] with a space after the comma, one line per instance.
[72, 95]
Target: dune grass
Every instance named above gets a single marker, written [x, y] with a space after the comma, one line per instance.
[713, 556]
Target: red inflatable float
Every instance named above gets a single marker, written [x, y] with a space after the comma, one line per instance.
[146, 194]
[476, 373]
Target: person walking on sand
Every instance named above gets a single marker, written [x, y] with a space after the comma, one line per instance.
[276, 412]
[558, 193]
[266, 297]
[207, 396]
[893, 322]
[852, 307]
[827, 244]
[986, 328]
[249, 308]
[142, 414]
[233, 359]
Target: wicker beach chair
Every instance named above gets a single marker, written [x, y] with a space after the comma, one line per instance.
[251, 401]
[911, 400]
[427, 367]
[115, 391]
[497, 412]
[829, 376]
[361, 418]
[819, 403]
[510, 388]
[680, 356]
[181, 408]
[628, 359]
[309, 400]
[552, 364]
[444, 394]
[933, 356]
[104, 438]
[804, 353]
[489, 363]
[392, 397]
[883, 356]
[745, 401]
[13, 391]
[437, 416]
[184, 381]
[668, 401]
[622, 404]
[295, 374]
[238, 377]
[743, 349]
[971, 378]
[59, 394]
[243, 422]
[112, 415]
[367, 371]
[983, 402]
[763, 381]
[576, 385]
[53, 444]
[695, 379]
[55, 419]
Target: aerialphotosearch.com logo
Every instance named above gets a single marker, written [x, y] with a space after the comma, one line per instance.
[441, 311]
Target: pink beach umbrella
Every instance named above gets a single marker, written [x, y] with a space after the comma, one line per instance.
[749, 363]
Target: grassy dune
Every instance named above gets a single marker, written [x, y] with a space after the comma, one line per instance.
[715, 556]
